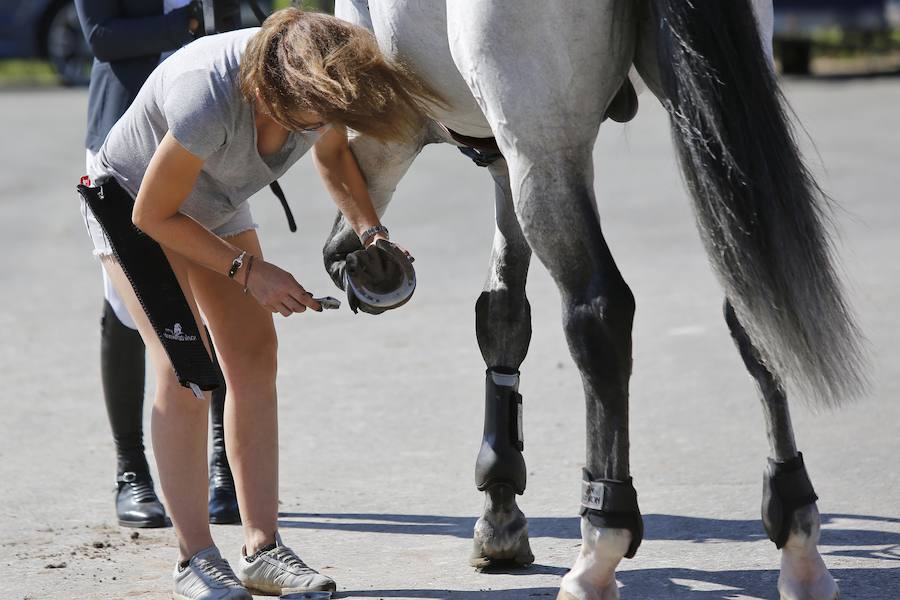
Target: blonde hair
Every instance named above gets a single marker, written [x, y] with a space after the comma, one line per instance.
[303, 61]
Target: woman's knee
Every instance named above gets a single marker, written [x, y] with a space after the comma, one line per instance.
[171, 396]
[253, 361]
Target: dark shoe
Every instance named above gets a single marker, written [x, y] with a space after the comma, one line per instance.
[137, 504]
[223, 504]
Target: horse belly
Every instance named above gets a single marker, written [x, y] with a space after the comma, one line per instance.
[415, 32]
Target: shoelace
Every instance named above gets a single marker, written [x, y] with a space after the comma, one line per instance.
[219, 571]
[287, 556]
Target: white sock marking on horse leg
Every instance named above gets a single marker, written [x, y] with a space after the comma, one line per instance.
[593, 576]
[803, 572]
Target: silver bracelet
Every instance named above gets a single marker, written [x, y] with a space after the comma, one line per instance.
[371, 232]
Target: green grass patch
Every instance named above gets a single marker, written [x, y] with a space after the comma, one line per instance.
[314, 5]
[27, 73]
[849, 44]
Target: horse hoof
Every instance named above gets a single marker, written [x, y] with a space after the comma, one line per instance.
[610, 592]
[501, 541]
[837, 596]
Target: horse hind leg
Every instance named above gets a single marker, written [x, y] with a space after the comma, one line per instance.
[598, 308]
[557, 210]
[789, 511]
[503, 328]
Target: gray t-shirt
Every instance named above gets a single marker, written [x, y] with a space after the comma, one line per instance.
[195, 94]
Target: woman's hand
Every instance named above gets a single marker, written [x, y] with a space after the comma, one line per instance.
[277, 290]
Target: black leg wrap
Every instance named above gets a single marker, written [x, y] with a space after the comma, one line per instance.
[155, 285]
[786, 487]
[500, 458]
[611, 503]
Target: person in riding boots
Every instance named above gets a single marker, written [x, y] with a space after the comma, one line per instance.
[129, 38]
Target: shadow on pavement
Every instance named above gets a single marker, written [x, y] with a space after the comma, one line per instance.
[518, 594]
[841, 534]
[696, 530]
[676, 584]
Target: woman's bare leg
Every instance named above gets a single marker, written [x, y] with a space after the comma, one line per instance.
[244, 336]
[178, 426]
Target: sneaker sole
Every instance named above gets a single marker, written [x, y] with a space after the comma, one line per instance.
[180, 597]
[277, 590]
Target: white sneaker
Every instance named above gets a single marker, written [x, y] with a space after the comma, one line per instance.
[208, 576]
[278, 570]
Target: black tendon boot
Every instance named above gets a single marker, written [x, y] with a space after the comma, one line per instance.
[122, 372]
[223, 505]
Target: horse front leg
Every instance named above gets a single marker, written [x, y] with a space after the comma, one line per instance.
[503, 328]
[383, 165]
[789, 511]
[535, 72]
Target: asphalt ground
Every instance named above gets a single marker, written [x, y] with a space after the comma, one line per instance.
[381, 417]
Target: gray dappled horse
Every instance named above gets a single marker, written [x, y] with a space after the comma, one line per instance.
[539, 77]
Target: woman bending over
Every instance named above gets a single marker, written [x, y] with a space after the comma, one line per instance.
[215, 123]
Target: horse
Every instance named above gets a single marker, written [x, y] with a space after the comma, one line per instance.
[527, 86]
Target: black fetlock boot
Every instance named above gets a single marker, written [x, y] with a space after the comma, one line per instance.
[223, 505]
[122, 372]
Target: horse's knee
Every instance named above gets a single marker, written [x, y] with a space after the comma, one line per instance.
[503, 326]
[503, 306]
[598, 325]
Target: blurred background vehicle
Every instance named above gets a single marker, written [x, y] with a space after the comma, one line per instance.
[799, 22]
[49, 30]
[46, 29]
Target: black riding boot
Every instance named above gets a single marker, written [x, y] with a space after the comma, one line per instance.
[122, 372]
[223, 505]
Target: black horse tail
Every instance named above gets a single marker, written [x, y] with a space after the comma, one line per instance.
[764, 220]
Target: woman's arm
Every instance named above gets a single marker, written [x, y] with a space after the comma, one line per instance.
[169, 180]
[344, 181]
[112, 37]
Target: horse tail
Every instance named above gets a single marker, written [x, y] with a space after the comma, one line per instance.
[764, 220]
